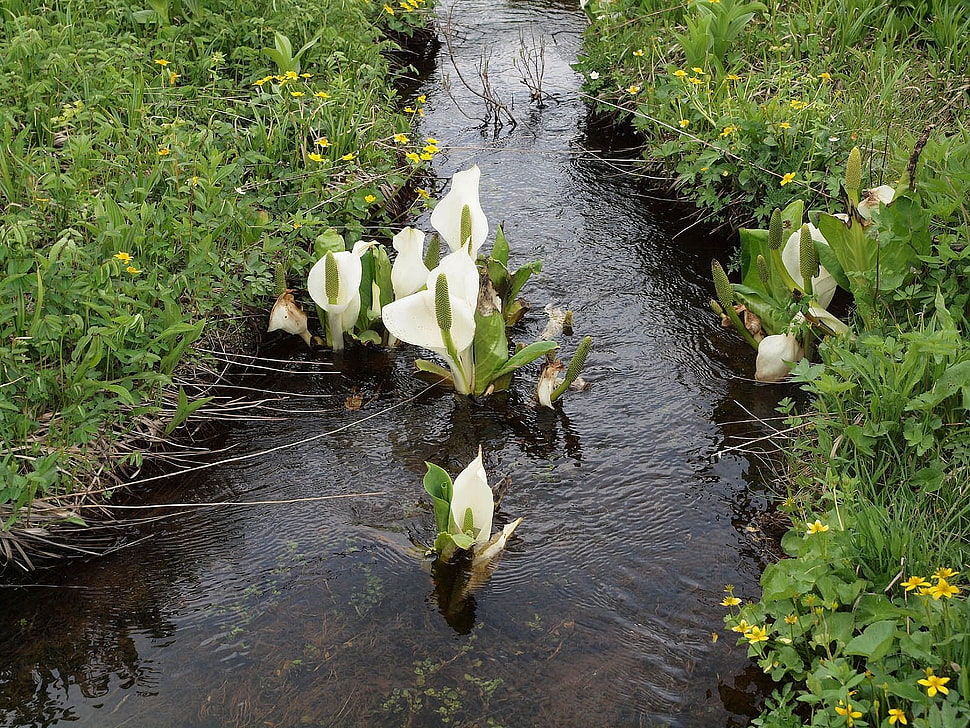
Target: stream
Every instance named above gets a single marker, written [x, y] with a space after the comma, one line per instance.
[327, 613]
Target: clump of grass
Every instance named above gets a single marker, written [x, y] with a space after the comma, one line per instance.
[748, 104]
[158, 165]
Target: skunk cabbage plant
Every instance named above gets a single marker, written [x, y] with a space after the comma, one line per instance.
[462, 311]
[334, 285]
[463, 511]
[286, 315]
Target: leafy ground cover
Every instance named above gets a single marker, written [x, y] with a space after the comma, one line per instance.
[758, 102]
[158, 164]
[752, 105]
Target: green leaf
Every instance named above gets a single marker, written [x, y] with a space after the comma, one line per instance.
[526, 355]
[500, 250]
[439, 486]
[423, 365]
[491, 349]
[184, 410]
[520, 277]
[875, 640]
[329, 241]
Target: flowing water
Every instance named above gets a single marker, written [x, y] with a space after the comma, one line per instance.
[326, 613]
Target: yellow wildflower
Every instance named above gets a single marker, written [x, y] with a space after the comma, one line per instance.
[413, 157]
[163, 151]
[798, 104]
[728, 130]
[730, 602]
[322, 142]
[633, 89]
[389, 10]
[945, 573]
[173, 77]
[133, 270]
[791, 619]
[306, 75]
[784, 125]
[314, 157]
[784, 181]
[431, 149]
[426, 156]
[322, 95]
[684, 123]
[679, 73]
[297, 94]
[422, 98]
[915, 582]
[934, 684]
[818, 526]
[942, 588]
[698, 71]
[757, 634]
[423, 194]
[897, 716]
[826, 76]
[733, 77]
[401, 138]
[694, 80]
[161, 62]
[124, 257]
[292, 75]
[409, 110]
[348, 157]
[638, 52]
[369, 199]
[848, 711]
[743, 627]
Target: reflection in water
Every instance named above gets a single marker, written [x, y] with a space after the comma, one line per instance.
[328, 614]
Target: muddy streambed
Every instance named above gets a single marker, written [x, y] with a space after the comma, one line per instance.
[326, 614]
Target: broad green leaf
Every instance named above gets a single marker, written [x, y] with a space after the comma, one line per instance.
[329, 241]
[874, 642]
[526, 355]
[491, 349]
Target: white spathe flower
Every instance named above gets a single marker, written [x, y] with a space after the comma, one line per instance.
[287, 316]
[549, 379]
[447, 214]
[776, 355]
[408, 274]
[415, 318]
[881, 195]
[823, 285]
[471, 491]
[335, 287]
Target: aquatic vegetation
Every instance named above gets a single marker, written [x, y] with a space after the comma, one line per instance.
[785, 290]
[463, 513]
[458, 307]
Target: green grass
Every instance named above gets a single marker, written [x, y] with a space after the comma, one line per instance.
[732, 96]
[158, 164]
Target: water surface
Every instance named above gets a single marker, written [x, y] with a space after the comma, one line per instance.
[326, 613]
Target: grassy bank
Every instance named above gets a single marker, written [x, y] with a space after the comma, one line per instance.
[749, 104]
[158, 163]
[752, 106]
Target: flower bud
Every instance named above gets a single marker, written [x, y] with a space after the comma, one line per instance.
[722, 286]
[466, 228]
[764, 272]
[432, 256]
[775, 230]
[853, 174]
[331, 279]
[442, 303]
[807, 255]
